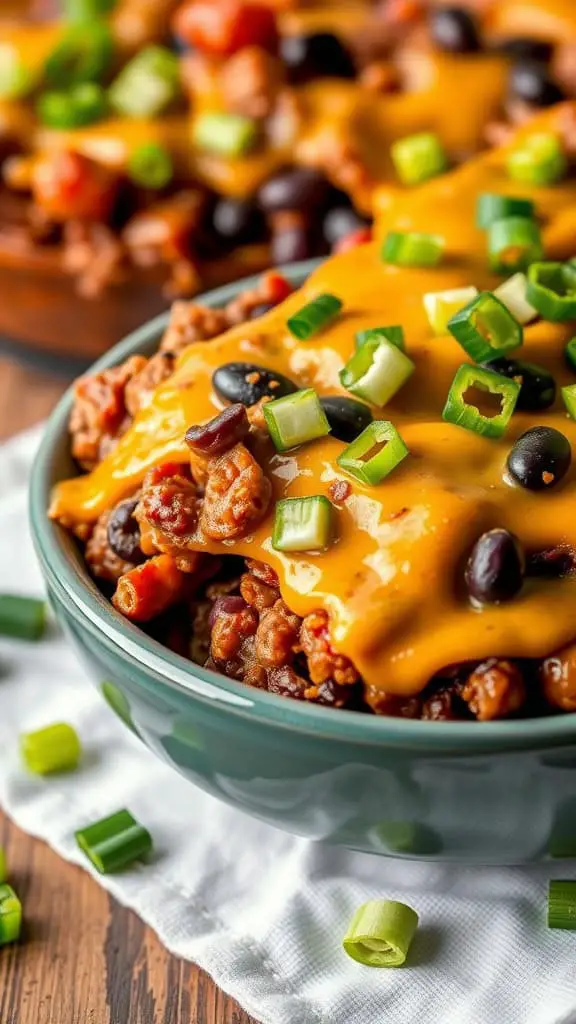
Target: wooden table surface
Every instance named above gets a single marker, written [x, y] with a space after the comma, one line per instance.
[83, 958]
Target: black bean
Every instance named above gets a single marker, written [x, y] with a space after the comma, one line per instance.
[248, 383]
[454, 29]
[220, 433]
[346, 416]
[495, 569]
[341, 221]
[525, 48]
[531, 82]
[538, 387]
[291, 244]
[320, 54]
[540, 458]
[552, 563]
[295, 188]
[238, 221]
[123, 532]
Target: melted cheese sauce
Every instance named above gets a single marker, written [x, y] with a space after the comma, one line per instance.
[392, 582]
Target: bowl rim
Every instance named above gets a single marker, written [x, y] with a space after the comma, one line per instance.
[96, 613]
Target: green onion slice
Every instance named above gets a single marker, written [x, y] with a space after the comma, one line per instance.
[412, 249]
[55, 748]
[562, 904]
[485, 328]
[295, 419]
[314, 316]
[570, 354]
[3, 869]
[150, 166]
[16, 79]
[376, 371]
[303, 524]
[227, 135]
[10, 915]
[491, 207]
[380, 933]
[569, 399]
[83, 54]
[513, 244]
[395, 335]
[481, 401]
[115, 842]
[551, 290]
[374, 453]
[147, 84]
[72, 108]
[441, 306]
[22, 617]
[418, 158]
[539, 160]
[512, 293]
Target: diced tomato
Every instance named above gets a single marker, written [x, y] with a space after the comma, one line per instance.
[221, 27]
[352, 239]
[68, 186]
[274, 287]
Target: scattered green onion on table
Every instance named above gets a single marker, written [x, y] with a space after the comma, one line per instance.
[56, 748]
[562, 904]
[380, 933]
[474, 386]
[23, 618]
[314, 316]
[10, 915]
[114, 842]
[295, 419]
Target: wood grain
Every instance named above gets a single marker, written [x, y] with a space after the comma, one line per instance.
[83, 958]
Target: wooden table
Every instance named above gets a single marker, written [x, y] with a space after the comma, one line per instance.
[84, 959]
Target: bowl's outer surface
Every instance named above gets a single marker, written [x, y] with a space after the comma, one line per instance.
[498, 792]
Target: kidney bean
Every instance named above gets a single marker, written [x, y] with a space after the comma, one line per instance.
[248, 383]
[263, 572]
[558, 676]
[226, 604]
[123, 532]
[220, 433]
[299, 188]
[495, 569]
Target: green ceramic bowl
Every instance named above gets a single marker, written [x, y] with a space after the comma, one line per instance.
[497, 792]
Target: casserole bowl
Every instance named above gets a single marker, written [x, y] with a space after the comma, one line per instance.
[496, 792]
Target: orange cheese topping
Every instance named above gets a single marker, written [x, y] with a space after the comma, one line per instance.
[392, 582]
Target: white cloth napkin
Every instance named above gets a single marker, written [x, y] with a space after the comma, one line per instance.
[261, 911]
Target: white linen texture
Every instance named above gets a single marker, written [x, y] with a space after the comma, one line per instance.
[264, 912]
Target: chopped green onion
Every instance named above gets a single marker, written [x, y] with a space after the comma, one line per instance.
[72, 108]
[314, 316]
[147, 84]
[295, 419]
[53, 749]
[10, 915]
[22, 617]
[562, 904]
[380, 933]
[441, 306]
[374, 454]
[302, 524]
[83, 54]
[569, 399]
[513, 244]
[418, 158]
[16, 79]
[376, 371]
[491, 207]
[512, 293]
[3, 870]
[115, 842]
[227, 135]
[395, 335]
[485, 328]
[552, 290]
[412, 249]
[481, 400]
[84, 10]
[150, 166]
[570, 354]
[539, 160]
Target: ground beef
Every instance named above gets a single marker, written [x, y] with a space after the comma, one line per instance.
[495, 689]
[141, 387]
[250, 80]
[277, 636]
[237, 495]
[191, 322]
[323, 661]
[257, 593]
[170, 505]
[99, 414]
